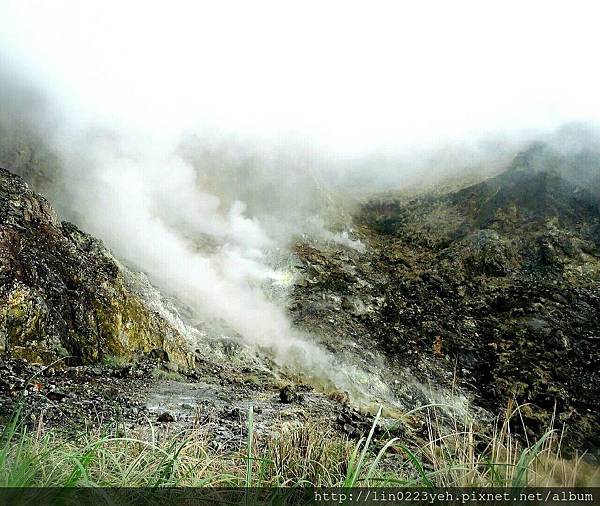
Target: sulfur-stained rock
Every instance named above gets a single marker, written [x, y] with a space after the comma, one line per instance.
[62, 293]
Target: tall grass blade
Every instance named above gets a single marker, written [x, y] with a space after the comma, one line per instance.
[526, 459]
[358, 467]
[418, 466]
[249, 459]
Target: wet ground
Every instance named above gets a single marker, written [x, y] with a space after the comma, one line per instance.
[133, 396]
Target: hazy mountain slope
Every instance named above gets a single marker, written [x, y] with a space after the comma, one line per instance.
[492, 291]
[495, 287]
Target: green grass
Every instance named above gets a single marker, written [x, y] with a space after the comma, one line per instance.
[162, 374]
[115, 361]
[293, 456]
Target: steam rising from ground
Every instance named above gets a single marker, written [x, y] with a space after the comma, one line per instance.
[210, 220]
[174, 212]
[129, 153]
[203, 249]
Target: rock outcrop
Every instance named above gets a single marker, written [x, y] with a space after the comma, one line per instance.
[62, 293]
[494, 289]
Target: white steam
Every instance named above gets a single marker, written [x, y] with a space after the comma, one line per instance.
[150, 209]
[376, 84]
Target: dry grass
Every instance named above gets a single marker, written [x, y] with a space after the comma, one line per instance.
[294, 456]
[463, 457]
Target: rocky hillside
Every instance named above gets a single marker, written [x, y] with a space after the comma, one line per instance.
[493, 290]
[62, 294]
[490, 294]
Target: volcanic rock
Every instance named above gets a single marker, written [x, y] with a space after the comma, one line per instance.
[63, 295]
[493, 289]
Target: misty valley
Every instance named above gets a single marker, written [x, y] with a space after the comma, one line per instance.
[283, 252]
[461, 310]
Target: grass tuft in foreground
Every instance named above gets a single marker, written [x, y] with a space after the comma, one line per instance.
[295, 456]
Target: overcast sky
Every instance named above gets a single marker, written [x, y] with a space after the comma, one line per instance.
[349, 75]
